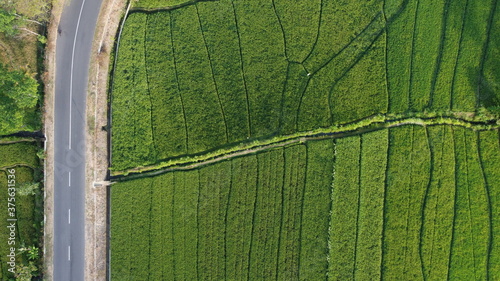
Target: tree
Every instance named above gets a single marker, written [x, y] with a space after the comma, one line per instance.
[18, 95]
[12, 23]
[7, 23]
[29, 188]
[25, 272]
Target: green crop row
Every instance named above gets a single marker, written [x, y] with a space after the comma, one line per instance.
[409, 202]
[408, 175]
[293, 192]
[218, 22]
[315, 209]
[132, 131]
[341, 22]
[267, 216]
[473, 37]
[371, 205]
[439, 205]
[399, 54]
[167, 109]
[472, 216]
[199, 94]
[489, 88]
[239, 227]
[489, 147]
[264, 63]
[425, 50]
[215, 184]
[299, 21]
[343, 231]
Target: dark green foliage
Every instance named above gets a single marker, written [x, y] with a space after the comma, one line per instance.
[362, 91]
[424, 53]
[489, 88]
[399, 54]
[18, 99]
[342, 23]
[292, 95]
[264, 63]
[470, 56]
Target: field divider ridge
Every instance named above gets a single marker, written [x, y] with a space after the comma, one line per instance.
[369, 124]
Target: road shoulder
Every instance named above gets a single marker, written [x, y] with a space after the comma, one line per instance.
[48, 120]
[96, 247]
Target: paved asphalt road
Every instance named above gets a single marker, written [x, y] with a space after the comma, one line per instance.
[76, 32]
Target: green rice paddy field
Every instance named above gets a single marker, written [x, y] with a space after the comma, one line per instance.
[19, 166]
[411, 202]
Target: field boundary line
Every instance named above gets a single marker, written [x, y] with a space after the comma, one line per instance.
[146, 72]
[168, 8]
[488, 203]
[216, 88]
[373, 123]
[425, 202]
[439, 57]
[457, 59]
[412, 57]
[177, 81]
[282, 30]
[242, 67]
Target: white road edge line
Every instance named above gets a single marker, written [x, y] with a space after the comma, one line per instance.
[69, 216]
[69, 178]
[69, 253]
[71, 73]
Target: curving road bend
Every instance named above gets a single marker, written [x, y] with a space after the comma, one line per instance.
[74, 42]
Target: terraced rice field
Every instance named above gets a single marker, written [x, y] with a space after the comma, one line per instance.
[216, 73]
[392, 204]
[307, 140]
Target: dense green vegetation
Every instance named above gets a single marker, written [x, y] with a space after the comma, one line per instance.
[208, 74]
[394, 203]
[307, 140]
[20, 167]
